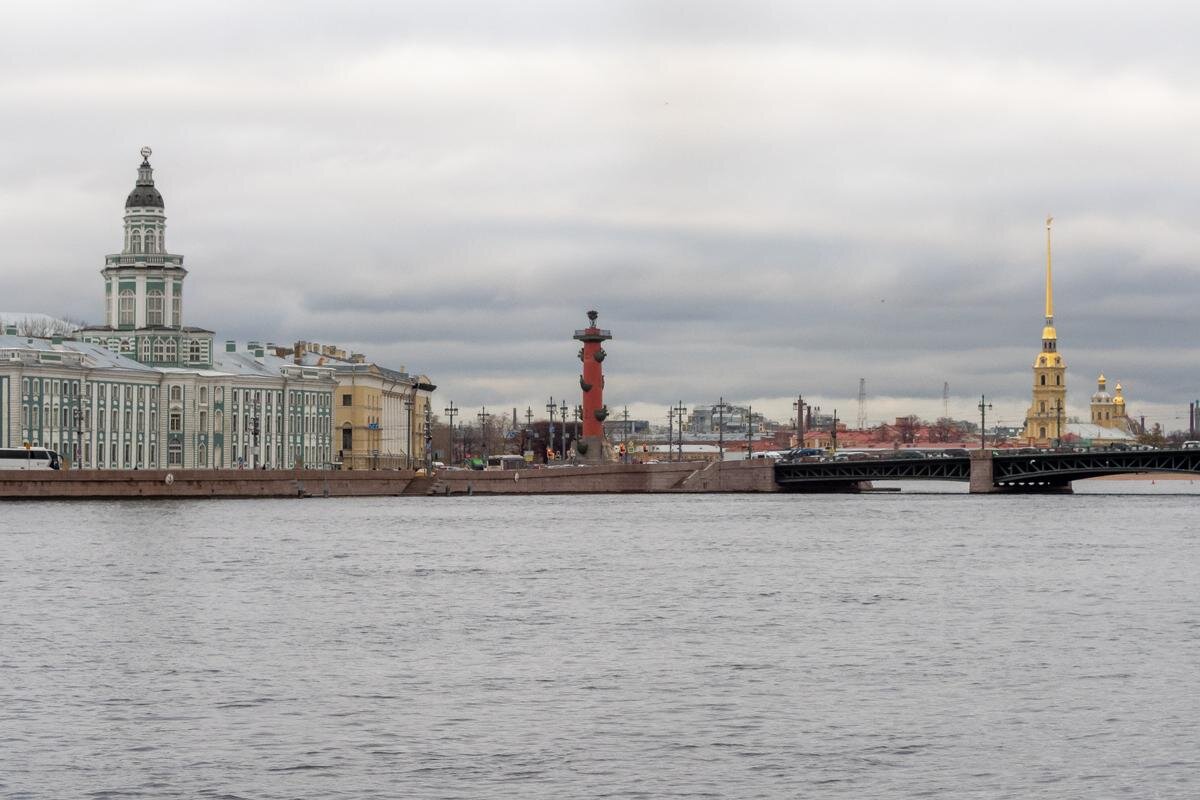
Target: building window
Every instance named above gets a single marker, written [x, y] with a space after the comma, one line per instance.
[1043, 380]
[154, 308]
[1058, 380]
[176, 393]
[125, 307]
[195, 350]
[347, 400]
[203, 394]
[176, 422]
[175, 455]
[170, 350]
[177, 309]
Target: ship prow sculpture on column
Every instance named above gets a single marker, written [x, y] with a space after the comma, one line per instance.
[593, 447]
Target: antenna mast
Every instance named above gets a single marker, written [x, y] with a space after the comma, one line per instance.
[862, 403]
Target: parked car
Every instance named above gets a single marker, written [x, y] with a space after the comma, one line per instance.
[908, 454]
[956, 452]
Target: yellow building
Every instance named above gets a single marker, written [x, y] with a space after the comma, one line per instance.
[379, 414]
[1046, 418]
[1109, 411]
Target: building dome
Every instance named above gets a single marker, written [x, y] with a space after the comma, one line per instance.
[144, 195]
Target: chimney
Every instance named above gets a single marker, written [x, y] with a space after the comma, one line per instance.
[298, 352]
[230, 346]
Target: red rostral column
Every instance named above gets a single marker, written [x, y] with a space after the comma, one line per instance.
[592, 384]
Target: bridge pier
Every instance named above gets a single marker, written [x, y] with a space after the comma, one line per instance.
[981, 473]
[983, 480]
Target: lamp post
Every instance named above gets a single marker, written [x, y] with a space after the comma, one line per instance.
[721, 427]
[1058, 421]
[550, 407]
[483, 418]
[833, 433]
[77, 417]
[680, 411]
[749, 432]
[563, 418]
[254, 430]
[671, 433]
[578, 417]
[409, 402]
[451, 412]
[984, 407]
[799, 406]
[428, 440]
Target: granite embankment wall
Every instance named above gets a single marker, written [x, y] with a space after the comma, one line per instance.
[730, 476]
[95, 483]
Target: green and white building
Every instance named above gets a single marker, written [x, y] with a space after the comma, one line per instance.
[146, 391]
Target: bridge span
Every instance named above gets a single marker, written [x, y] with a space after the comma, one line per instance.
[986, 471]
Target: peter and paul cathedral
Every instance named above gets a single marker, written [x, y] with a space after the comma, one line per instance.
[1046, 419]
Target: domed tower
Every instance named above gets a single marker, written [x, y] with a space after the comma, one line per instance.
[143, 288]
[1103, 406]
[1046, 418]
[1120, 417]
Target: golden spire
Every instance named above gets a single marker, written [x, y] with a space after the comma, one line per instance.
[1049, 273]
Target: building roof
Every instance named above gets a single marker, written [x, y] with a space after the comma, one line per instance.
[94, 356]
[1086, 430]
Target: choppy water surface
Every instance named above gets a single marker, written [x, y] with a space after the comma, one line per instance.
[661, 646]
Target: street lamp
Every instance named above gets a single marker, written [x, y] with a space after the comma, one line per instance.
[680, 411]
[254, 430]
[77, 416]
[1058, 421]
[721, 427]
[799, 407]
[409, 402]
[984, 407]
[550, 437]
[483, 416]
[451, 412]
[563, 418]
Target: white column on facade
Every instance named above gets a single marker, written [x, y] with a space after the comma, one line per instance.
[139, 304]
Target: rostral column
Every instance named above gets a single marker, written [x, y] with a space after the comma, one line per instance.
[594, 446]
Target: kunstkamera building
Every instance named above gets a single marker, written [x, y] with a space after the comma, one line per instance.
[147, 391]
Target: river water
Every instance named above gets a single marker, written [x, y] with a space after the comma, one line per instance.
[876, 646]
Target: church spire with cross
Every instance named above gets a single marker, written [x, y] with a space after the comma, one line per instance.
[1045, 421]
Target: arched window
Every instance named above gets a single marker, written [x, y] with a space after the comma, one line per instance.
[1042, 434]
[154, 308]
[203, 394]
[135, 242]
[1043, 380]
[160, 353]
[171, 350]
[177, 308]
[176, 393]
[125, 307]
[1058, 380]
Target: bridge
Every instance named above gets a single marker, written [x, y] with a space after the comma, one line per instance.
[986, 471]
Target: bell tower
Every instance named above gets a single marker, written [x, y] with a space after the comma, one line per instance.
[1045, 421]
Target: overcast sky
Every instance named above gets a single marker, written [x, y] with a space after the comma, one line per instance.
[761, 199]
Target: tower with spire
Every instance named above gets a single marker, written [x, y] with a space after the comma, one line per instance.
[1046, 419]
[143, 288]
